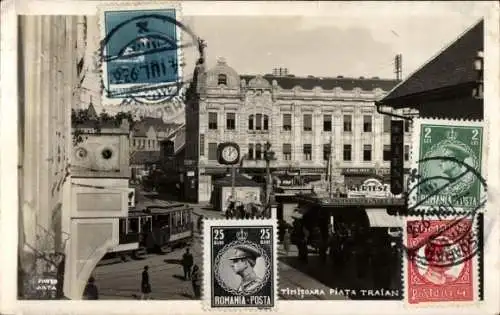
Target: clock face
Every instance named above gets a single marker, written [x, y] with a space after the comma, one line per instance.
[230, 154]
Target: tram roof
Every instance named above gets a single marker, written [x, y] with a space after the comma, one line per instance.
[339, 202]
[166, 209]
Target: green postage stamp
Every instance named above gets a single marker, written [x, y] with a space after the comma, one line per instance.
[448, 159]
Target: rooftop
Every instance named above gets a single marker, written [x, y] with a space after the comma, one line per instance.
[328, 83]
[453, 66]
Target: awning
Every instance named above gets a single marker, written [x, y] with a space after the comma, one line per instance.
[380, 218]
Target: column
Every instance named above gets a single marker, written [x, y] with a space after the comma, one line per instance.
[30, 46]
[44, 115]
[297, 134]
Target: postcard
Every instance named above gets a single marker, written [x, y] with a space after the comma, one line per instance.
[213, 157]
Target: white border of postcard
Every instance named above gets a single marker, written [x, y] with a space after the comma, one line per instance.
[9, 163]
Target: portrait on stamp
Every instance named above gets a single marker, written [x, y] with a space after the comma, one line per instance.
[450, 164]
[442, 260]
[243, 264]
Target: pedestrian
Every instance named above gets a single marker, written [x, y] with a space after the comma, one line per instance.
[91, 292]
[196, 281]
[187, 263]
[145, 285]
[286, 241]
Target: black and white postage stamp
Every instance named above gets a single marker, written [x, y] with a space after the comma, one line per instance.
[242, 257]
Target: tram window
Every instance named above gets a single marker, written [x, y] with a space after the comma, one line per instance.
[178, 219]
[163, 220]
[133, 225]
[146, 224]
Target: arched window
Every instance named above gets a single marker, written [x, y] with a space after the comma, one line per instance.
[266, 122]
[258, 151]
[250, 122]
[222, 79]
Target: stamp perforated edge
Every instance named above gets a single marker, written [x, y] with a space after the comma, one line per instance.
[135, 6]
[475, 269]
[207, 270]
[415, 154]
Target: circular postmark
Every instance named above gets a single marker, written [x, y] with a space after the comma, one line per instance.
[242, 274]
[141, 55]
[445, 237]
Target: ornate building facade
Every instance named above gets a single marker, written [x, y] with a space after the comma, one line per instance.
[304, 118]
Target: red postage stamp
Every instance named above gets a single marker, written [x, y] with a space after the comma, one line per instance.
[440, 265]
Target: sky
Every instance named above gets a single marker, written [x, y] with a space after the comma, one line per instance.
[327, 39]
[327, 46]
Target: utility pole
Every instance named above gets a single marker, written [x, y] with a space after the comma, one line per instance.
[233, 182]
[398, 66]
[268, 156]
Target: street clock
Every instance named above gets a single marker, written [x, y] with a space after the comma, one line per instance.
[228, 153]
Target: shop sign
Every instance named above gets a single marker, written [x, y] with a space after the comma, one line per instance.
[365, 171]
[370, 188]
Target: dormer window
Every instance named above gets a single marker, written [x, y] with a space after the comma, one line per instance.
[222, 79]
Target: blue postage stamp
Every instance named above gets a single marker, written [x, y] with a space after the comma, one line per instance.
[140, 51]
[241, 255]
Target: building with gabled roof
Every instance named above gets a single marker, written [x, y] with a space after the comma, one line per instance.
[447, 85]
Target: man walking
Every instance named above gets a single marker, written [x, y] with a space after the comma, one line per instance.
[145, 285]
[187, 263]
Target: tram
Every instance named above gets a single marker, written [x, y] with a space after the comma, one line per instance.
[157, 229]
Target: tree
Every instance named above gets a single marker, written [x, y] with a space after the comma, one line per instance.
[81, 118]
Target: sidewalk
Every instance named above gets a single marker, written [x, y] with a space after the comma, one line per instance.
[295, 285]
